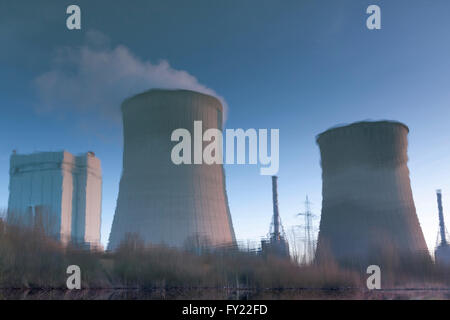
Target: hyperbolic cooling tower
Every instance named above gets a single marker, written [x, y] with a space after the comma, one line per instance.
[367, 199]
[162, 202]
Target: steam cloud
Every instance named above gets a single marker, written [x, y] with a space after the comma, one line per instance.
[95, 79]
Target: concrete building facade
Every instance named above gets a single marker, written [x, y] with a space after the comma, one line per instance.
[59, 191]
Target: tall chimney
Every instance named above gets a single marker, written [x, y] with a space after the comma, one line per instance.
[441, 217]
[276, 214]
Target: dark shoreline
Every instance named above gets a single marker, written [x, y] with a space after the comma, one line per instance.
[224, 294]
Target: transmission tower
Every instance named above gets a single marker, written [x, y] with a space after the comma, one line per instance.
[309, 242]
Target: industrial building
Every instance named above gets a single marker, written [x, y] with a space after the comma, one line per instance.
[442, 252]
[367, 202]
[165, 203]
[57, 191]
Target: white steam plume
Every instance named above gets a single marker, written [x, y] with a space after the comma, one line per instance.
[95, 79]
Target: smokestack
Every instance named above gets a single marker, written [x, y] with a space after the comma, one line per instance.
[276, 244]
[367, 199]
[162, 202]
[441, 217]
[276, 214]
[442, 251]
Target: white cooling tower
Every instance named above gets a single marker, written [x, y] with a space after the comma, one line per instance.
[367, 198]
[162, 202]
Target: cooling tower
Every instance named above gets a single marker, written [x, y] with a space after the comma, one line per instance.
[367, 202]
[162, 202]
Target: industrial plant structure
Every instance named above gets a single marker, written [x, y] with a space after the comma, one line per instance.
[161, 202]
[442, 252]
[59, 192]
[309, 242]
[276, 244]
[367, 201]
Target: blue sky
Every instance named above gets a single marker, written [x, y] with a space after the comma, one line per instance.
[299, 66]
